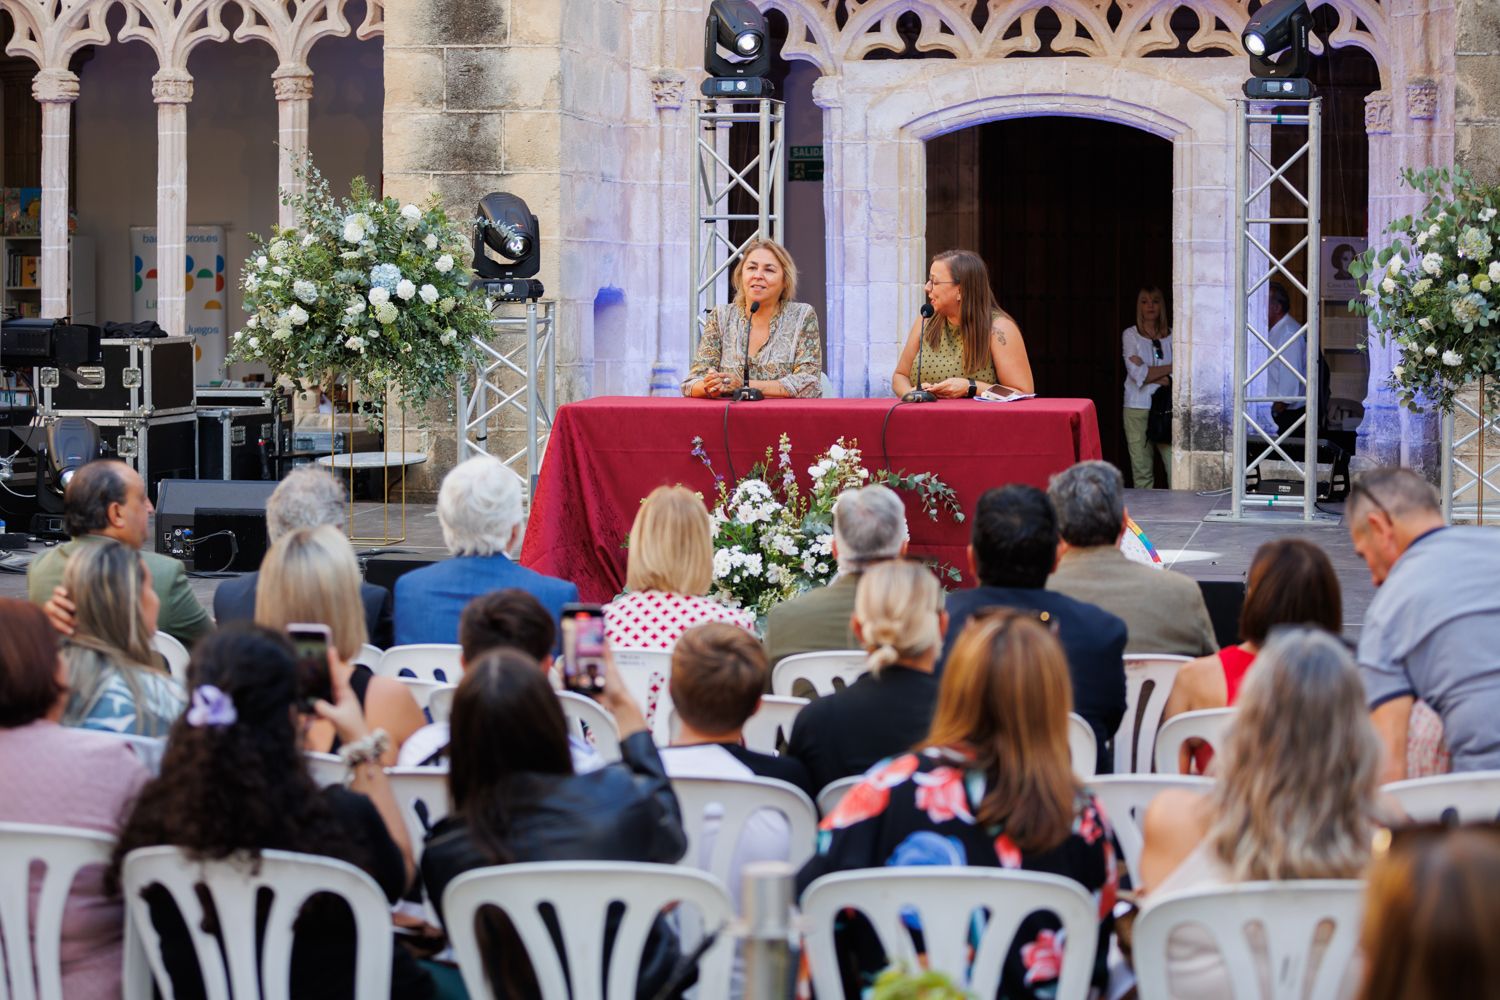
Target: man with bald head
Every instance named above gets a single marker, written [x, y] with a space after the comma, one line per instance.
[107, 499]
[1430, 633]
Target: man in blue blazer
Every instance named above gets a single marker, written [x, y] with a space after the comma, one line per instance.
[1012, 550]
[479, 507]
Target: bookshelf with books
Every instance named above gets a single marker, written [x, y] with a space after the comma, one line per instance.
[21, 293]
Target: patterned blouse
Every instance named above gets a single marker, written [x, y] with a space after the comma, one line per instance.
[792, 356]
[946, 360]
[918, 809]
[654, 619]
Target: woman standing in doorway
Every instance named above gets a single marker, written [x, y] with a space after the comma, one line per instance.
[972, 345]
[1147, 348]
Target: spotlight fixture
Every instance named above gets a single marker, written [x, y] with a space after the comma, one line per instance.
[738, 27]
[1280, 26]
[507, 248]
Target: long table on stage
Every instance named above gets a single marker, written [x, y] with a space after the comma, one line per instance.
[606, 454]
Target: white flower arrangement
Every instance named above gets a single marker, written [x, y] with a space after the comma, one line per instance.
[364, 288]
[773, 540]
[1435, 290]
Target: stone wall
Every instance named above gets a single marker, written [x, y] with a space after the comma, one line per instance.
[1477, 93]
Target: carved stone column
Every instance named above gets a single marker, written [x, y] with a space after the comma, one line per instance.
[294, 87]
[55, 90]
[172, 89]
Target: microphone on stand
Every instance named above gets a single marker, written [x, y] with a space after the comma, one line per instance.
[919, 394]
[745, 394]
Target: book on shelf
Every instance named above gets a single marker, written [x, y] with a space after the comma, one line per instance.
[28, 310]
[23, 213]
[29, 266]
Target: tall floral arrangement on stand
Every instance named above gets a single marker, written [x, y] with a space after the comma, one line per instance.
[773, 540]
[1434, 290]
[363, 288]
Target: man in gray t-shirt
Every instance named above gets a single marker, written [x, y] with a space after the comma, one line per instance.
[1433, 630]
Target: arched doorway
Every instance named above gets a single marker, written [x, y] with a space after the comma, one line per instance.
[1073, 216]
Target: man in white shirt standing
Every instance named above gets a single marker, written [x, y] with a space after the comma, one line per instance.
[1282, 374]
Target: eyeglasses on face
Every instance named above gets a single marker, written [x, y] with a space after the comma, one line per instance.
[931, 282]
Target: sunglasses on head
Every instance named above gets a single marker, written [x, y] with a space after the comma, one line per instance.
[1359, 489]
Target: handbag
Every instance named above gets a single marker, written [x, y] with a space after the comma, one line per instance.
[1159, 419]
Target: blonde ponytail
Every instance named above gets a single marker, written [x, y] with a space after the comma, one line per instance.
[897, 606]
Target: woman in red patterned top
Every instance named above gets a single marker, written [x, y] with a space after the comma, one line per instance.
[670, 568]
[992, 786]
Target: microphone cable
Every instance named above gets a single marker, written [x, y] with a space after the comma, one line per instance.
[729, 455]
[884, 426]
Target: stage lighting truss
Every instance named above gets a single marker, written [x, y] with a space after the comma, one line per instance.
[712, 252]
[1279, 28]
[1257, 170]
[1467, 490]
[512, 378]
[736, 50]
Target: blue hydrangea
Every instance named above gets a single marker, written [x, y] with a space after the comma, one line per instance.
[386, 276]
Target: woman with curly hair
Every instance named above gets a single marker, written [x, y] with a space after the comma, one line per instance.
[233, 779]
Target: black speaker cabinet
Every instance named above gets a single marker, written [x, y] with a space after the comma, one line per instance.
[1225, 596]
[189, 511]
[386, 568]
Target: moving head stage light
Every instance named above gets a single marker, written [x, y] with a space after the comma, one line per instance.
[740, 28]
[1280, 26]
[507, 248]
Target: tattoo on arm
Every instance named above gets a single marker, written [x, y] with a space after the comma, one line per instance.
[999, 332]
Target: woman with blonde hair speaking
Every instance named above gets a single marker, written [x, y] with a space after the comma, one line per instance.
[900, 621]
[779, 335]
[311, 575]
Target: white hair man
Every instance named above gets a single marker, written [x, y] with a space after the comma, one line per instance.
[869, 526]
[479, 507]
[309, 497]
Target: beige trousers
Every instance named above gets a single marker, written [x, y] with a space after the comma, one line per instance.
[1141, 470]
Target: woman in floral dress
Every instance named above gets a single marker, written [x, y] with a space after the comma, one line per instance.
[992, 786]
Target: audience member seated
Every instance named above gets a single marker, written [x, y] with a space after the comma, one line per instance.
[505, 619]
[311, 577]
[869, 526]
[106, 499]
[670, 566]
[308, 497]
[1291, 582]
[1163, 611]
[991, 786]
[62, 777]
[117, 682]
[516, 798]
[899, 620]
[234, 781]
[1012, 549]
[1431, 915]
[1295, 798]
[479, 507]
[1429, 634]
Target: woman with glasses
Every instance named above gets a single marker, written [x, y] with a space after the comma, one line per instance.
[991, 786]
[1148, 369]
[969, 345]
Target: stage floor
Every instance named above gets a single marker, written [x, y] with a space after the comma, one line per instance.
[1173, 520]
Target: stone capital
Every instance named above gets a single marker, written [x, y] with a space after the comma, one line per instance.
[826, 92]
[667, 89]
[1422, 99]
[1378, 113]
[292, 82]
[172, 86]
[55, 86]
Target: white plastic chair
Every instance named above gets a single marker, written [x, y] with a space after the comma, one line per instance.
[419, 789]
[62, 851]
[647, 674]
[1466, 797]
[1083, 746]
[820, 670]
[1148, 682]
[440, 703]
[423, 690]
[728, 804]
[833, 793]
[370, 656]
[1288, 914]
[148, 749]
[765, 731]
[581, 894]
[1125, 798]
[175, 653]
[591, 721]
[228, 962]
[326, 768]
[945, 899]
[1211, 725]
[425, 660]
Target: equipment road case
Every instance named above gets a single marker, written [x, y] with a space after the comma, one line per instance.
[241, 442]
[161, 447]
[138, 376]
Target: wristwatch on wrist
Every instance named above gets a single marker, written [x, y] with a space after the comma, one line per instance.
[973, 388]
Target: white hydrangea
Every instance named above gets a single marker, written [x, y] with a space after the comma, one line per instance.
[429, 294]
[296, 315]
[1432, 263]
[254, 343]
[356, 306]
[279, 271]
[379, 296]
[1486, 214]
[355, 344]
[430, 242]
[1388, 285]
[1452, 359]
[261, 263]
[238, 334]
[353, 233]
[251, 282]
[406, 289]
[305, 290]
[252, 322]
[444, 264]
[1395, 264]
[386, 312]
[411, 215]
[449, 336]
[1495, 270]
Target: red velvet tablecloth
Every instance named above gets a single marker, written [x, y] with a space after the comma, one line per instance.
[606, 454]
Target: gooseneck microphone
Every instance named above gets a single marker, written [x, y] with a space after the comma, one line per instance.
[745, 394]
[917, 393]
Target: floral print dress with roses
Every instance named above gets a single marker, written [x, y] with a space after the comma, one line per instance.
[918, 809]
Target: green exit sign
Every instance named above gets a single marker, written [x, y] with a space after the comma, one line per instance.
[806, 163]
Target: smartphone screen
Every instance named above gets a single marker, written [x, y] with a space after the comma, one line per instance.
[310, 643]
[583, 648]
